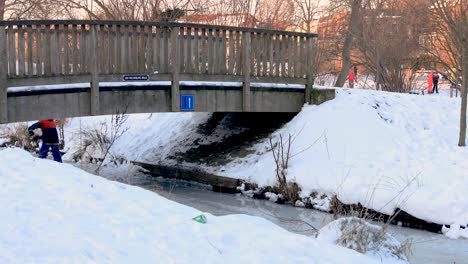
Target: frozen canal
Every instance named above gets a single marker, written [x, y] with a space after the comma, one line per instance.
[427, 247]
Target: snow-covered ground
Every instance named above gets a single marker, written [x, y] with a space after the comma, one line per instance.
[56, 213]
[383, 150]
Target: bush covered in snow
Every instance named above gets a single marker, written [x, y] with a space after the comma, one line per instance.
[372, 240]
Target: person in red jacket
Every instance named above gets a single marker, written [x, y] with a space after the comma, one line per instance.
[50, 139]
[429, 83]
[351, 79]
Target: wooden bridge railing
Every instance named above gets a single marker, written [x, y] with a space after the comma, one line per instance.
[38, 49]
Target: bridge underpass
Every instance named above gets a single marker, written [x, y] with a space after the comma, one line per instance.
[101, 67]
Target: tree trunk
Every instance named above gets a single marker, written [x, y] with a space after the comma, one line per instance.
[2, 9]
[346, 54]
[464, 89]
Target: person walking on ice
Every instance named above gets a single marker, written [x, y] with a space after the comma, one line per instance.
[50, 139]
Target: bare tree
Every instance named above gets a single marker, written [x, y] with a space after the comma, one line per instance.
[306, 13]
[454, 14]
[355, 7]
[387, 44]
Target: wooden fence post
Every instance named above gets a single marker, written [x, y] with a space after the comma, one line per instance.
[246, 72]
[3, 77]
[310, 69]
[175, 93]
[94, 66]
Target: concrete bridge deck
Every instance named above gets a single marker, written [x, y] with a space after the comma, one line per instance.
[169, 57]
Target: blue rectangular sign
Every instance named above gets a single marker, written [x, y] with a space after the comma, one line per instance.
[187, 102]
[136, 77]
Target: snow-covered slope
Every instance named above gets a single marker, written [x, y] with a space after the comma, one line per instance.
[384, 150]
[56, 213]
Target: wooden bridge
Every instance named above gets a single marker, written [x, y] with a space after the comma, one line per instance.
[34, 53]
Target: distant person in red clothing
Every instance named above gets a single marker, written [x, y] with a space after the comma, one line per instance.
[429, 83]
[351, 79]
[49, 137]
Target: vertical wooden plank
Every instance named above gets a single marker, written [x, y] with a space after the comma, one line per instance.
[224, 53]
[165, 53]
[265, 54]
[118, 47]
[246, 72]
[292, 54]
[196, 51]
[211, 52]
[203, 51]
[55, 50]
[155, 51]
[270, 55]
[277, 55]
[258, 53]
[66, 47]
[135, 45]
[304, 55]
[48, 54]
[94, 66]
[283, 55]
[299, 58]
[188, 63]
[124, 50]
[310, 69]
[181, 44]
[128, 49]
[21, 50]
[218, 53]
[59, 50]
[175, 93]
[102, 49]
[11, 52]
[29, 60]
[83, 42]
[238, 53]
[39, 54]
[232, 55]
[252, 54]
[111, 48]
[296, 57]
[141, 50]
[289, 56]
[74, 50]
[149, 50]
[3, 76]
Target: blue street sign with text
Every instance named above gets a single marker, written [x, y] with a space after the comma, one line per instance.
[186, 102]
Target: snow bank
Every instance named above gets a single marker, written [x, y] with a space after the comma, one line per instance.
[56, 213]
[383, 150]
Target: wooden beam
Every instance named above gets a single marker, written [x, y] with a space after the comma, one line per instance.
[219, 183]
[246, 40]
[175, 93]
[309, 70]
[94, 66]
[3, 76]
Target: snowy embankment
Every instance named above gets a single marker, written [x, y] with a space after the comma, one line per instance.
[383, 150]
[56, 213]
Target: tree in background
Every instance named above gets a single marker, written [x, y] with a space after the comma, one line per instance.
[454, 14]
[387, 42]
[355, 7]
